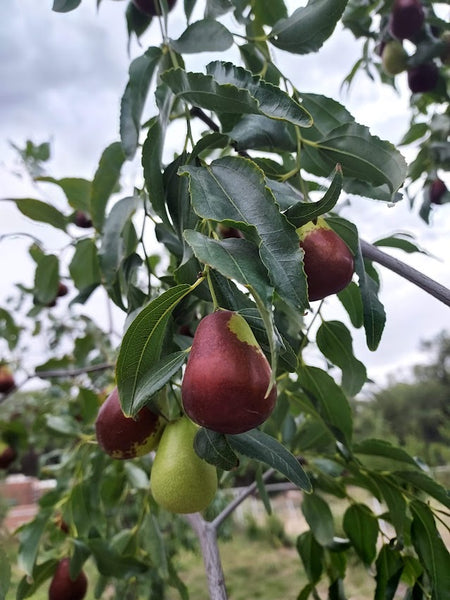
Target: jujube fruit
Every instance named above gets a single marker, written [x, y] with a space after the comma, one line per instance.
[152, 8]
[327, 260]
[7, 455]
[7, 382]
[62, 587]
[180, 480]
[394, 58]
[423, 78]
[82, 220]
[126, 437]
[437, 190]
[226, 381]
[406, 19]
[63, 290]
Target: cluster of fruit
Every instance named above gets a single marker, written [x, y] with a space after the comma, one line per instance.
[407, 21]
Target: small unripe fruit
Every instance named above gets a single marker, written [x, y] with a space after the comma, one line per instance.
[406, 19]
[327, 260]
[423, 78]
[152, 8]
[125, 437]
[62, 587]
[437, 190]
[394, 58]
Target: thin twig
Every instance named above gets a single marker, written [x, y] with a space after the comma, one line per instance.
[427, 284]
[73, 372]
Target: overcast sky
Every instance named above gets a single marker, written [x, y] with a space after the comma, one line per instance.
[62, 76]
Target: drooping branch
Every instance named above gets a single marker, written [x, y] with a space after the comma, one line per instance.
[73, 372]
[427, 284]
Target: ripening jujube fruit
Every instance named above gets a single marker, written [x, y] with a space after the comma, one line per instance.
[7, 382]
[226, 382]
[327, 260]
[7, 455]
[126, 437]
[181, 481]
[406, 19]
[63, 587]
[437, 190]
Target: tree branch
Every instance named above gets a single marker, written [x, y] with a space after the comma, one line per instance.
[427, 284]
[207, 535]
[73, 372]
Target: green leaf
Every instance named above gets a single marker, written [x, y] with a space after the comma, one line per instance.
[77, 191]
[328, 114]
[236, 259]
[46, 279]
[9, 330]
[261, 133]
[372, 167]
[28, 586]
[312, 555]
[319, 518]
[335, 342]
[389, 565]
[301, 213]
[155, 378]
[206, 35]
[30, 538]
[424, 483]
[374, 315]
[394, 500]
[350, 297]
[141, 71]
[361, 527]
[308, 27]
[389, 455]
[5, 574]
[401, 241]
[230, 89]
[329, 399]
[65, 5]
[151, 163]
[262, 447]
[233, 189]
[105, 180]
[84, 266]
[215, 449]
[141, 345]
[112, 251]
[41, 212]
[113, 564]
[63, 425]
[431, 549]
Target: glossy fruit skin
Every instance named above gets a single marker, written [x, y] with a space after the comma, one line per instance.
[437, 190]
[327, 260]
[7, 382]
[82, 220]
[62, 587]
[406, 19]
[63, 290]
[394, 58]
[124, 437]
[152, 8]
[226, 379]
[181, 482]
[423, 78]
[7, 456]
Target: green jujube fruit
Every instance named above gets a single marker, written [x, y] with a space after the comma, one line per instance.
[181, 481]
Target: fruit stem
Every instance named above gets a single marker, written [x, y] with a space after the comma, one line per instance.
[211, 288]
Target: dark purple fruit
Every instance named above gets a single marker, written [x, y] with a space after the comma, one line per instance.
[437, 190]
[82, 220]
[7, 456]
[62, 587]
[423, 78]
[152, 8]
[63, 290]
[327, 260]
[7, 382]
[406, 19]
[227, 376]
